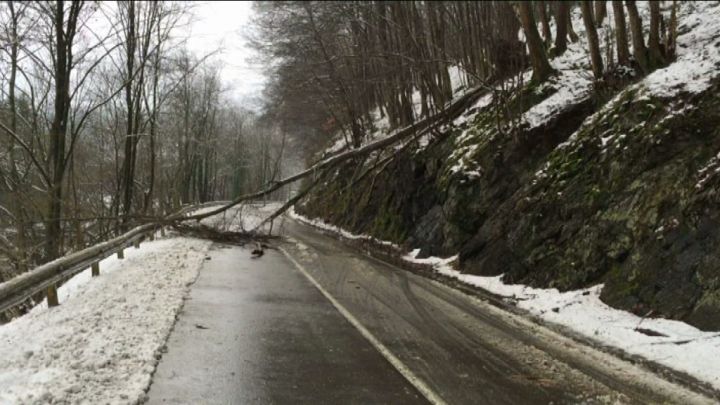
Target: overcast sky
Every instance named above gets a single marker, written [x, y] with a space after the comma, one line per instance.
[224, 24]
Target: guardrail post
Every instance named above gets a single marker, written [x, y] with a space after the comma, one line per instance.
[96, 269]
[120, 254]
[137, 243]
[52, 297]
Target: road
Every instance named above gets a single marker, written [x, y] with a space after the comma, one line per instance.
[257, 331]
[320, 322]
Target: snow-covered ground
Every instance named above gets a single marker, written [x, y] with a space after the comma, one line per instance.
[101, 345]
[335, 229]
[697, 65]
[678, 345]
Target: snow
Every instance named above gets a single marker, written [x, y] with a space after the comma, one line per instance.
[683, 347]
[571, 85]
[102, 343]
[680, 346]
[458, 78]
[698, 49]
[696, 67]
[380, 123]
[320, 224]
[242, 218]
[468, 115]
[574, 85]
[711, 169]
[464, 164]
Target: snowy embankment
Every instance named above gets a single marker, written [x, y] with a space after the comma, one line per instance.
[673, 344]
[101, 345]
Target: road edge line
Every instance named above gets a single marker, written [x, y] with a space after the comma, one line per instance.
[404, 370]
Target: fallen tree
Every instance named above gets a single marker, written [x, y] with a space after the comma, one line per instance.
[319, 169]
[20, 288]
[240, 238]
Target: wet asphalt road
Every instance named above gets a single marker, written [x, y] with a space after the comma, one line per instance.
[257, 331]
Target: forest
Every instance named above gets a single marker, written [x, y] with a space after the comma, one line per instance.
[344, 66]
[107, 119]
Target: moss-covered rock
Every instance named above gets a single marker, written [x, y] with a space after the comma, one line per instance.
[623, 203]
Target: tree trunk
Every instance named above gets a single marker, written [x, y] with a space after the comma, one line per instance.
[130, 144]
[656, 56]
[64, 35]
[16, 182]
[639, 50]
[672, 33]
[571, 32]
[58, 128]
[600, 12]
[593, 43]
[545, 23]
[561, 16]
[541, 67]
[623, 50]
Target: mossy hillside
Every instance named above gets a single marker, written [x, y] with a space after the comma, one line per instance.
[593, 212]
[435, 197]
[496, 163]
[676, 270]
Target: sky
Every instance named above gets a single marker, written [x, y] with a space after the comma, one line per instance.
[223, 25]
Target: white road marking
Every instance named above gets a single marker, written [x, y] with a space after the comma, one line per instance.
[404, 370]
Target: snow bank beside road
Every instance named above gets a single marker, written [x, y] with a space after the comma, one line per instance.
[102, 343]
[673, 344]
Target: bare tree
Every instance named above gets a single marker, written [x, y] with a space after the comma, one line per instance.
[655, 54]
[621, 38]
[600, 12]
[639, 49]
[66, 24]
[544, 22]
[561, 26]
[593, 43]
[541, 67]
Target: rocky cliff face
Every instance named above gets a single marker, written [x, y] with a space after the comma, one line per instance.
[620, 189]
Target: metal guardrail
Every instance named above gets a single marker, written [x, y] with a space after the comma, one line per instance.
[18, 289]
